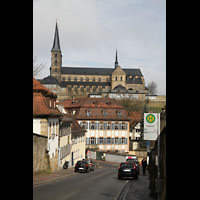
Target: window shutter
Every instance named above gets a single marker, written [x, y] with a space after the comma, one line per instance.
[113, 140]
[126, 141]
[113, 126]
[97, 125]
[87, 140]
[120, 126]
[104, 140]
[105, 126]
[126, 126]
[97, 140]
[88, 125]
[120, 140]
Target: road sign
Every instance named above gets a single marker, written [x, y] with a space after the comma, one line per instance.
[151, 124]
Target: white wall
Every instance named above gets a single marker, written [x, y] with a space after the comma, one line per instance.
[37, 126]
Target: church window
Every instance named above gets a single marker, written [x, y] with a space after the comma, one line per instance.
[75, 78]
[55, 69]
[55, 62]
[93, 79]
[115, 78]
[87, 79]
[99, 79]
[55, 55]
[63, 78]
[121, 78]
[81, 79]
[69, 78]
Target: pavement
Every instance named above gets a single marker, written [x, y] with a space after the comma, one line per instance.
[137, 189]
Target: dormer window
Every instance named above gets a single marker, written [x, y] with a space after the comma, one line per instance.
[121, 78]
[104, 113]
[119, 113]
[88, 113]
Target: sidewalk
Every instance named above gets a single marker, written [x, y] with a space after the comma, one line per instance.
[43, 178]
[139, 189]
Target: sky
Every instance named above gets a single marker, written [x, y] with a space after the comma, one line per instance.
[90, 31]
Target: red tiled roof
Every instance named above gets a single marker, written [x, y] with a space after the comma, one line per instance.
[38, 87]
[41, 107]
[96, 107]
[92, 103]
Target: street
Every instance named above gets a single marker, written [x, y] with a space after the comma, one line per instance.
[102, 184]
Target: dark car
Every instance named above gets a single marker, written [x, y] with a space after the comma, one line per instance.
[135, 161]
[82, 166]
[127, 169]
[91, 164]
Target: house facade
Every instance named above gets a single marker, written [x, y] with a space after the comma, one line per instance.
[105, 121]
[46, 119]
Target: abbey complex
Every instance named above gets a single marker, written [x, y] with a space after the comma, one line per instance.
[75, 82]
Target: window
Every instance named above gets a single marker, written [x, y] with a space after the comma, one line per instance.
[104, 113]
[123, 141]
[121, 78]
[116, 126]
[55, 55]
[82, 89]
[101, 126]
[92, 126]
[116, 141]
[56, 62]
[83, 125]
[99, 79]
[87, 79]
[108, 126]
[115, 78]
[88, 113]
[100, 140]
[108, 140]
[75, 78]
[69, 78]
[92, 140]
[81, 79]
[123, 126]
[93, 79]
[119, 113]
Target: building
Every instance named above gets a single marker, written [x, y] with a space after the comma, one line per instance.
[65, 143]
[105, 121]
[46, 118]
[73, 82]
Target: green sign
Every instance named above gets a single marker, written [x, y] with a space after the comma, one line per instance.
[150, 118]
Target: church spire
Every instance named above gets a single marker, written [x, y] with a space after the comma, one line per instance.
[56, 42]
[116, 62]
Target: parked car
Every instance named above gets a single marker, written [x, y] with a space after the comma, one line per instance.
[82, 166]
[135, 161]
[127, 169]
[91, 164]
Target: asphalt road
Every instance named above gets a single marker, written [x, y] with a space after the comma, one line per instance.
[102, 184]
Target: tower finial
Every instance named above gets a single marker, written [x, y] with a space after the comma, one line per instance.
[116, 61]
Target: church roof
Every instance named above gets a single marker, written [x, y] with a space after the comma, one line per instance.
[98, 71]
[56, 42]
[120, 87]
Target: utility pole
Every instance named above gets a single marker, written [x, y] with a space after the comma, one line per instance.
[158, 149]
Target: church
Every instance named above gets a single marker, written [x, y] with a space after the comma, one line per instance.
[74, 82]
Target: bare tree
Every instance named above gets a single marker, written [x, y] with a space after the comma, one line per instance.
[37, 68]
[152, 86]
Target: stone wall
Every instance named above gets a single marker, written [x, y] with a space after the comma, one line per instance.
[40, 155]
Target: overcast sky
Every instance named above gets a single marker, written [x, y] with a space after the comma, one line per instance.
[91, 30]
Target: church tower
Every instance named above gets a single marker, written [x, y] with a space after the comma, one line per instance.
[56, 57]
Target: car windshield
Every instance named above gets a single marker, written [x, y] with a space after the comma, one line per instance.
[126, 165]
